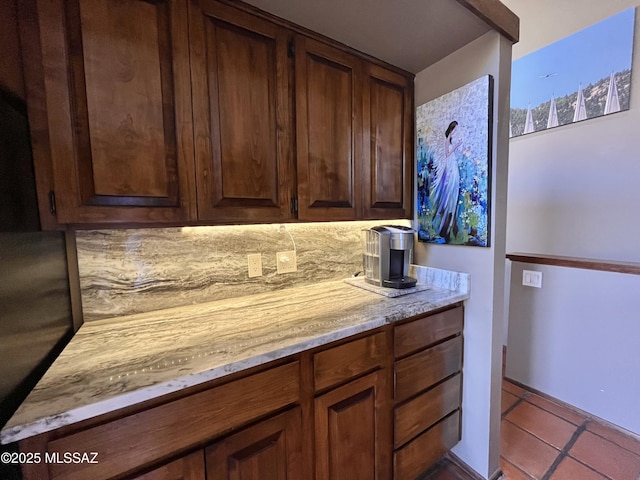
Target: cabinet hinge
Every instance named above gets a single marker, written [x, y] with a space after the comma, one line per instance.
[294, 204]
[291, 48]
[52, 202]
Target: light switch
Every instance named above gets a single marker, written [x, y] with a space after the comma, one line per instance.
[531, 278]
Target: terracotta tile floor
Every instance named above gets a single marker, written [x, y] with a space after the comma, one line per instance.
[542, 440]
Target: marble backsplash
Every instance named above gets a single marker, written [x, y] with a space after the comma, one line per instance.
[139, 270]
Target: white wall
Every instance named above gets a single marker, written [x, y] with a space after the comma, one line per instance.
[589, 360]
[480, 445]
[572, 190]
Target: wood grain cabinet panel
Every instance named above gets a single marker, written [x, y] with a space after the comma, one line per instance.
[424, 369]
[178, 425]
[428, 390]
[422, 412]
[425, 450]
[419, 334]
[189, 111]
[349, 360]
[190, 467]
[272, 450]
[347, 430]
[329, 122]
[118, 104]
[387, 143]
[242, 114]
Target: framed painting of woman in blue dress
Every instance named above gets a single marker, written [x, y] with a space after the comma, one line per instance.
[453, 156]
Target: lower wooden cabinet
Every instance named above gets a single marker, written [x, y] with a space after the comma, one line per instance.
[428, 391]
[347, 422]
[427, 448]
[417, 415]
[189, 467]
[272, 450]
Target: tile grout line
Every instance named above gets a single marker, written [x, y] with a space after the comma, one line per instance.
[617, 445]
[513, 405]
[565, 451]
[517, 468]
[550, 412]
[560, 452]
[587, 422]
[580, 428]
[576, 411]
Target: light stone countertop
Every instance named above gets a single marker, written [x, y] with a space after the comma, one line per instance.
[115, 363]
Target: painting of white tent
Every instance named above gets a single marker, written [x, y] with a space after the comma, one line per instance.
[583, 76]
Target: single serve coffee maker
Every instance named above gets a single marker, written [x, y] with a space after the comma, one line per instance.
[386, 255]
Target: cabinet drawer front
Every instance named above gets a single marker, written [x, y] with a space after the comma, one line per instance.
[181, 424]
[426, 331]
[346, 361]
[422, 412]
[420, 371]
[424, 451]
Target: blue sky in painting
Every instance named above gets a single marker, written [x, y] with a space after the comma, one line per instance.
[582, 58]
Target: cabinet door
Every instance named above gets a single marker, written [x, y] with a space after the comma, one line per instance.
[269, 450]
[349, 431]
[242, 113]
[118, 102]
[190, 467]
[388, 144]
[328, 128]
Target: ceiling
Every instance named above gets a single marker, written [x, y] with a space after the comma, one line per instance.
[410, 34]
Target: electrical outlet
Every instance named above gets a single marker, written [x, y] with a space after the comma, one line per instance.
[286, 261]
[254, 261]
[531, 278]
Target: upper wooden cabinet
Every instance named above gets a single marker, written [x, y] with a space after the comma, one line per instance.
[329, 125]
[242, 114]
[354, 136]
[189, 111]
[387, 143]
[117, 96]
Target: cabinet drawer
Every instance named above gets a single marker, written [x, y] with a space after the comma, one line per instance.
[181, 424]
[423, 369]
[423, 411]
[424, 451]
[426, 331]
[349, 360]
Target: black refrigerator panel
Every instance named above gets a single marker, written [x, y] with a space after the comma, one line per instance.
[35, 303]
[18, 201]
[35, 311]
